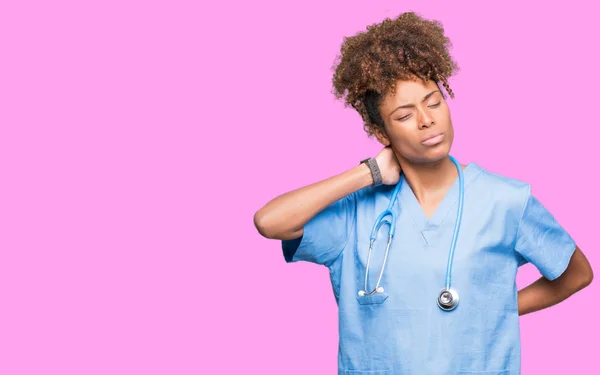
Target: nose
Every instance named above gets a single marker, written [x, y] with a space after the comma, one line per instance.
[425, 119]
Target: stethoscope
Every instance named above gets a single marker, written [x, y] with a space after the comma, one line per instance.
[448, 298]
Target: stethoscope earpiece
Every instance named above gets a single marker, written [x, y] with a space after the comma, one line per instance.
[362, 293]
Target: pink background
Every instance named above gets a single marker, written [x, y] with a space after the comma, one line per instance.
[138, 138]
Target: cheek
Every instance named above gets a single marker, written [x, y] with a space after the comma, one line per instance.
[399, 133]
[404, 137]
[444, 115]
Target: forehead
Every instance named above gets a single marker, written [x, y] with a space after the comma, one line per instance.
[409, 91]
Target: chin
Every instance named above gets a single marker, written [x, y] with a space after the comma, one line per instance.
[434, 154]
[439, 154]
[426, 155]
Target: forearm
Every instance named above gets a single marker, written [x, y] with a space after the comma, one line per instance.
[544, 293]
[540, 295]
[285, 216]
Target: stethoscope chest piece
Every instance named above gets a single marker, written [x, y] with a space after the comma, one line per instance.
[448, 299]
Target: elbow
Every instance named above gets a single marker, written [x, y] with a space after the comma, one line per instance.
[581, 270]
[262, 225]
[272, 228]
[584, 279]
[587, 274]
[588, 278]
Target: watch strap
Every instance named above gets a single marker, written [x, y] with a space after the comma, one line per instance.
[375, 172]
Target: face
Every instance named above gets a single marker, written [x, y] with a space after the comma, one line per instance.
[417, 122]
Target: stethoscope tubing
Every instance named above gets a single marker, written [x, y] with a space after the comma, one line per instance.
[461, 196]
[379, 221]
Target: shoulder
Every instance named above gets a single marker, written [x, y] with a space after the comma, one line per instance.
[501, 188]
[497, 181]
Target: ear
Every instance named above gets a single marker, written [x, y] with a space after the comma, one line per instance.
[381, 136]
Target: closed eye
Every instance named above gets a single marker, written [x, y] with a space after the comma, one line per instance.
[407, 116]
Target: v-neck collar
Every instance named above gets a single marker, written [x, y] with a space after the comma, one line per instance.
[428, 227]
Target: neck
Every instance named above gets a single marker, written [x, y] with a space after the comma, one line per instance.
[428, 180]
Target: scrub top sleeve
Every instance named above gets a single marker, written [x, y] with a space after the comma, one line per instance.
[325, 235]
[542, 241]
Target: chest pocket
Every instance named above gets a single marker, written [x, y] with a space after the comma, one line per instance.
[373, 299]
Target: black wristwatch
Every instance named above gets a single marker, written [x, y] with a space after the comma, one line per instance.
[375, 172]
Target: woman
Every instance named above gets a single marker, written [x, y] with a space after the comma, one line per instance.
[446, 302]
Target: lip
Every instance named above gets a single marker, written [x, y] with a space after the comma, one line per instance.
[433, 140]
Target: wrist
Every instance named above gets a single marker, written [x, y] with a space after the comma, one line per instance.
[373, 166]
[364, 174]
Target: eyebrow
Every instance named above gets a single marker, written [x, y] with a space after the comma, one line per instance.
[412, 105]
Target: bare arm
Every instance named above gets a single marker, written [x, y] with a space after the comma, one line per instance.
[285, 216]
[544, 293]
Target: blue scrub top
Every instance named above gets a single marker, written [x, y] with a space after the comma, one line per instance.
[403, 331]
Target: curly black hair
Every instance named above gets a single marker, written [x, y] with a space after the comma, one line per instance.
[371, 62]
